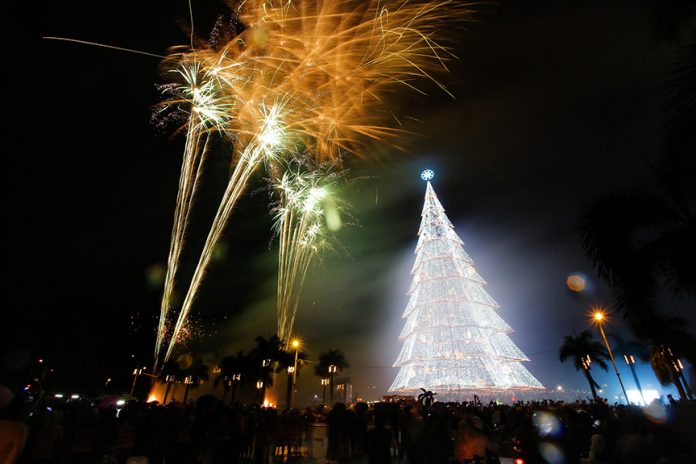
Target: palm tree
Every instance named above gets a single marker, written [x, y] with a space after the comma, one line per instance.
[426, 398]
[670, 343]
[643, 241]
[194, 376]
[233, 371]
[584, 351]
[331, 362]
[263, 357]
[171, 373]
[636, 241]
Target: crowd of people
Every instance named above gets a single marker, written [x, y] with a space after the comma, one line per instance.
[206, 431]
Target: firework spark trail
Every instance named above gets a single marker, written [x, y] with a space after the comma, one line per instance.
[334, 65]
[255, 153]
[300, 213]
[208, 110]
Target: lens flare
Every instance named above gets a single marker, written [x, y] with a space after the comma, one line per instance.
[576, 282]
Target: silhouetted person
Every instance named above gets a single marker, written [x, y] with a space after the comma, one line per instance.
[13, 433]
[379, 442]
[470, 445]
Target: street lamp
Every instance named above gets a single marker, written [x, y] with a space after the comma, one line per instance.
[296, 345]
[324, 383]
[332, 372]
[136, 374]
[290, 387]
[599, 318]
[631, 362]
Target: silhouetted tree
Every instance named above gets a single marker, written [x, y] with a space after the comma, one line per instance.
[325, 370]
[262, 358]
[426, 398]
[194, 376]
[584, 351]
[644, 241]
[669, 344]
[234, 370]
[170, 374]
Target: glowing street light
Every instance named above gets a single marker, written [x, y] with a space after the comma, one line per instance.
[136, 374]
[332, 372]
[296, 345]
[599, 317]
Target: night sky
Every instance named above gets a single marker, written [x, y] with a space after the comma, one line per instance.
[553, 101]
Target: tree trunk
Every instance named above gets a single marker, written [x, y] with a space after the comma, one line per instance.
[635, 378]
[331, 392]
[323, 395]
[288, 393]
[592, 383]
[234, 391]
[166, 392]
[689, 393]
[678, 384]
[186, 393]
[262, 391]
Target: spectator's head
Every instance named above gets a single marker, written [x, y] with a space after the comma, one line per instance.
[464, 426]
[477, 423]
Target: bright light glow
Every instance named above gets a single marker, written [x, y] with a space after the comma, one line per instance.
[649, 395]
[551, 453]
[576, 282]
[453, 338]
[295, 343]
[546, 423]
[268, 404]
[598, 316]
[428, 174]
[120, 402]
[655, 412]
[74, 396]
[58, 395]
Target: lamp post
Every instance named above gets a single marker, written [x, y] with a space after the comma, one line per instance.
[290, 387]
[324, 383]
[136, 374]
[259, 388]
[236, 378]
[332, 372]
[296, 345]
[599, 317]
[631, 361]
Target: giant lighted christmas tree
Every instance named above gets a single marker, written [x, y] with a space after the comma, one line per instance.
[454, 340]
